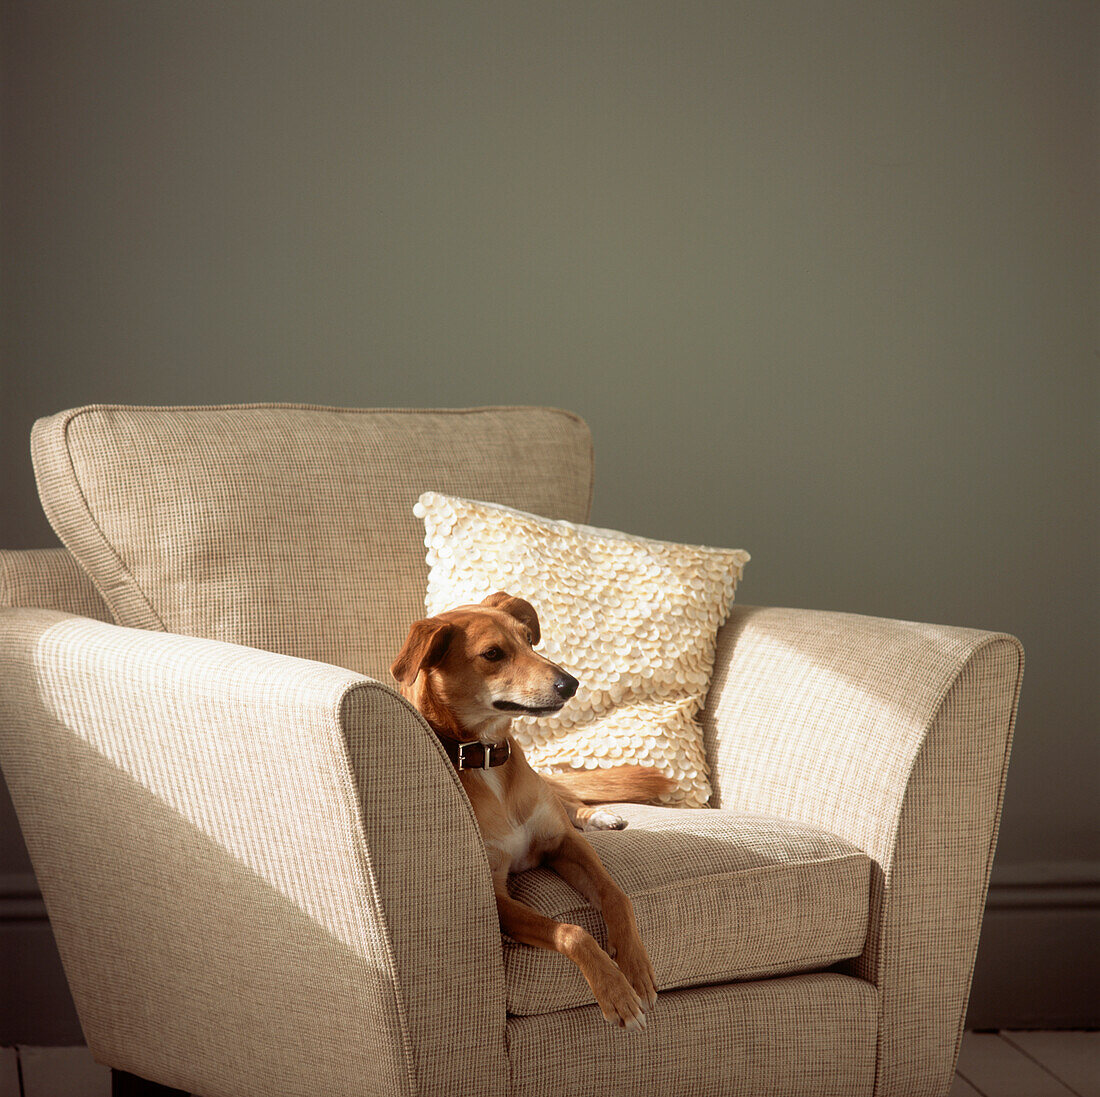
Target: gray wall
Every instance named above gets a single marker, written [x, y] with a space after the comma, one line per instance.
[820, 276]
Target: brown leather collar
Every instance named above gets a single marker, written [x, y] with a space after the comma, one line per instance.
[476, 755]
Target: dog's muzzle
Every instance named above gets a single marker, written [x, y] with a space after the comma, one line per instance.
[565, 686]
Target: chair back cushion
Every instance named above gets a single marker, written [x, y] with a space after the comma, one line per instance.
[49, 578]
[287, 527]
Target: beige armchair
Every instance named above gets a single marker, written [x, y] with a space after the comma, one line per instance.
[263, 874]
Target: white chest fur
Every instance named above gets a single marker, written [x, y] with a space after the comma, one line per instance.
[518, 842]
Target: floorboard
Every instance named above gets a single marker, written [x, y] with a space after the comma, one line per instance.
[960, 1087]
[62, 1072]
[1006, 1064]
[9, 1072]
[996, 1068]
[1072, 1057]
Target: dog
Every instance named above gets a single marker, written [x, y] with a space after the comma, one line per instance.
[469, 671]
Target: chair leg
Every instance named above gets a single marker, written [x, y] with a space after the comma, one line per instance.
[130, 1085]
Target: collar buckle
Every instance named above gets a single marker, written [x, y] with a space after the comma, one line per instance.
[487, 762]
[460, 761]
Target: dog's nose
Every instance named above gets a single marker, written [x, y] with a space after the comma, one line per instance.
[566, 686]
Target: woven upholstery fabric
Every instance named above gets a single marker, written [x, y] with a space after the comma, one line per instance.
[240, 883]
[719, 896]
[287, 527]
[634, 619]
[805, 1036]
[50, 579]
[895, 736]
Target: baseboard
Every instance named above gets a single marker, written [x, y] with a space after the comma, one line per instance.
[35, 1007]
[1045, 885]
[1036, 964]
[20, 899]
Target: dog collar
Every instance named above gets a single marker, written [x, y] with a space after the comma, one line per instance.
[477, 755]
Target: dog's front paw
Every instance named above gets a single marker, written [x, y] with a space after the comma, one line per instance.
[634, 963]
[619, 1002]
[602, 819]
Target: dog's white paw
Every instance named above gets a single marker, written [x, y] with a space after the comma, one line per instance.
[602, 819]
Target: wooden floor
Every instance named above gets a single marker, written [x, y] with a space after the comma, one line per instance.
[991, 1064]
[1028, 1064]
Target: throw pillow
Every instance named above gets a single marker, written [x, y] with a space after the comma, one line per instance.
[634, 620]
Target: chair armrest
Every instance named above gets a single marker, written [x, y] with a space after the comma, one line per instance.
[896, 736]
[261, 871]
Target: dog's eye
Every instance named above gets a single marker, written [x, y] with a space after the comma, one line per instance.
[494, 655]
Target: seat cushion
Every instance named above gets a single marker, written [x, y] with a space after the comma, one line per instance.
[719, 896]
[287, 527]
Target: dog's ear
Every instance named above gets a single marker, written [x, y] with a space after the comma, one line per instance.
[424, 647]
[522, 611]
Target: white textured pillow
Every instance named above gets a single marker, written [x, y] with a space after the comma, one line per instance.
[634, 620]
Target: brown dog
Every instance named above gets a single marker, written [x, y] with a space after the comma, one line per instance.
[469, 671]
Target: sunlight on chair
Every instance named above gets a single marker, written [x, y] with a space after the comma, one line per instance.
[281, 801]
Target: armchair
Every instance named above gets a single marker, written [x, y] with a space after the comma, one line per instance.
[263, 874]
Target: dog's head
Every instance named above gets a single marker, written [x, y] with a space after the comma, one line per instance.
[481, 663]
